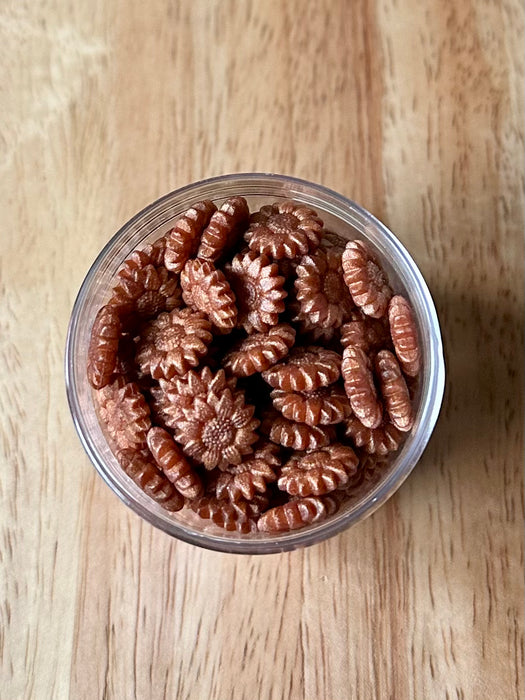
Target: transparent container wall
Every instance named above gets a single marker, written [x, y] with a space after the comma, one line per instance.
[340, 216]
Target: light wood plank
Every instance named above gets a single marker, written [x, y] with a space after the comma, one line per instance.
[413, 109]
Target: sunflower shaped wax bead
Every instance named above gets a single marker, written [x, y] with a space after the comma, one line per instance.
[259, 351]
[320, 289]
[327, 405]
[245, 480]
[206, 289]
[259, 290]
[382, 440]
[124, 413]
[404, 335]
[143, 289]
[305, 369]
[295, 514]
[224, 229]
[365, 279]
[183, 239]
[225, 514]
[171, 460]
[284, 230]
[103, 347]
[319, 472]
[295, 436]
[170, 398]
[360, 387]
[394, 391]
[218, 429]
[173, 343]
[140, 467]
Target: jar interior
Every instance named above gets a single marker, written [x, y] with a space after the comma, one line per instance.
[340, 216]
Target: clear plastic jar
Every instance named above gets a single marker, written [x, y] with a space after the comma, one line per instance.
[341, 216]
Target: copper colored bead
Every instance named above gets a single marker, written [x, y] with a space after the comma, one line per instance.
[404, 335]
[224, 229]
[365, 279]
[394, 391]
[225, 514]
[173, 343]
[144, 289]
[103, 347]
[245, 480]
[205, 288]
[293, 515]
[380, 441]
[259, 351]
[218, 429]
[259, 291]
[360, 387]
[327, 405]
[124, 413]
[183, 239]
[140, 467]
[305, 369]
[319, 472]
[320, 290]
[171, 460]
[284, 230]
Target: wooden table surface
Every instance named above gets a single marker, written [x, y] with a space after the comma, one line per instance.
[415, 110]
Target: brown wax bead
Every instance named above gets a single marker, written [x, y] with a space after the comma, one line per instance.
[259, 291]
[305, 369]
[245, 480]
[284, 230]
[296, 436]
[143, 289]
[218, 429]
[140, 467]
[380, 441]
[170, 458]
[183, 239]
[394, 391]
[293, 515]
[404, 335]
[324, 406]
[224, 229]
[320, 289]
[365, 279]
[205, 288]
[103, 347]
[318, 472]
[225, 514]
[124, 412]
[170, 398]
[259, 351]
[173, 343]
[360, 387]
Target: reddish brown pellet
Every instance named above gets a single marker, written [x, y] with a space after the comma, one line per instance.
[170, 458]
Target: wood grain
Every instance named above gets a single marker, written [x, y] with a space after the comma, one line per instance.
[413, 109]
